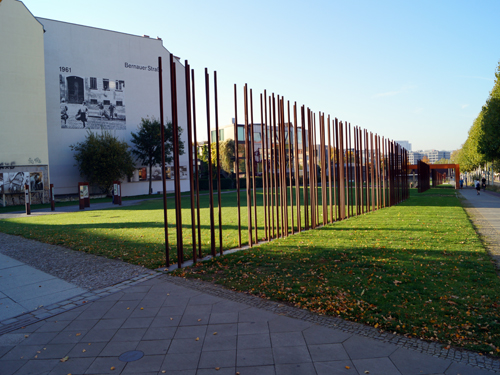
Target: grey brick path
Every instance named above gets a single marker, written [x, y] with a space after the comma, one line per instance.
[188, 327]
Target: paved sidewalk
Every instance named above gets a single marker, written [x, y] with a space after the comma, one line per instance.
[488, 204]
[66, 209]
[24, 288]
[158, 327]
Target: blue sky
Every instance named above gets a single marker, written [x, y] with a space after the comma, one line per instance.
[408, 70]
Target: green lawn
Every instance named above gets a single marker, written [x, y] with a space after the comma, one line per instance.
[135, 234]
[417, 268]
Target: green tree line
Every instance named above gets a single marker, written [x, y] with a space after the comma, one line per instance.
[483, 141]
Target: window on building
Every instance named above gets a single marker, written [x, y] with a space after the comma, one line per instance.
[212, 136]
[105, 84]
[119, 103]
[241, 133]
[93, 83]
[106, 102]
[257, 137]
[120, 85]
[93, 101]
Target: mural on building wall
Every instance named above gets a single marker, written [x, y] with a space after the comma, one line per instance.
[13, 183]
[91, 102]
[36, 181]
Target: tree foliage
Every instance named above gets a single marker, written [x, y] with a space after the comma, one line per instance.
[469, 157]
[102, 159]
[444, 161]
[226, 155]
[489, 141]
[147, 144]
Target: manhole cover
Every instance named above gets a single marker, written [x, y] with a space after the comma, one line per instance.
[131, 356]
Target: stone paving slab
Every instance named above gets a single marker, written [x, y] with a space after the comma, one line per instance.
[169, 320]
[25, 288]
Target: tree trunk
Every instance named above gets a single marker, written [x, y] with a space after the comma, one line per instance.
[150, 177]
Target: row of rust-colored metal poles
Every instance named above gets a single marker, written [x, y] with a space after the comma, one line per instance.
[315, 170]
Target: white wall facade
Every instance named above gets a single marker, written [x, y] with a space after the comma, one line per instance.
[114, 78]
[23, 126]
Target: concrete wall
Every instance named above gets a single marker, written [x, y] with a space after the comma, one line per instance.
[23, 126]
[92, 69]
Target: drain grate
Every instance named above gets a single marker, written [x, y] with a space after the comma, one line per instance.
[131, 356]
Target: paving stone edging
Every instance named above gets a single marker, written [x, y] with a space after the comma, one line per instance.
[435, 349]
[46, 312]
[489, 235]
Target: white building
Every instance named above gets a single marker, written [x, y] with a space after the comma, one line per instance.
[405, 144]
[49, 70]
[432, 155]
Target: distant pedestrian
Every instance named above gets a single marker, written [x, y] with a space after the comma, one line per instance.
[461, 183]
[484, 183]
[478, 186]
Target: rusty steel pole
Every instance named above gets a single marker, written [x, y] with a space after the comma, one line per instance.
[196, 167]
[305, 170]
[276, 178]
[254, 167]
[330, 170]
[297, 171]
[190, 156]
[210, 171]
[237, 164]
[165, 222]
[219, 203]
[264, 166]
[290, 167]
[324, 201]
[342, 194]
[177, 193]
[247, 168]
[272, 168]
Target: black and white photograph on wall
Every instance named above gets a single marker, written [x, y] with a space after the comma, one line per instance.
[156, 174]
[169, 173]
[183, 171]
[1, 183]
[14, 182]
[36, 181]
[92, 103]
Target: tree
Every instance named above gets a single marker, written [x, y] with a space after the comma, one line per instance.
[147, 144]
[489, 142]
[226, 156]
[103, 159]
[425, 159]
[226, 151]
[469, 157]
